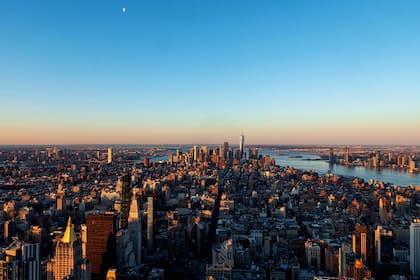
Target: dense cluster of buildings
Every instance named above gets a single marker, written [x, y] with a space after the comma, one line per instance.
[208, 212]
[401, 160]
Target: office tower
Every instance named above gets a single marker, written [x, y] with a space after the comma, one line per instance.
[331, 259]
[146, 161]
[241, 145]
[150, 223]
[22, 261]
[226, 150]
[124, 255]
[68, 261]
[378, 231]
[134, 228]
[109, 155]
[313, 254]
[383, 245]
[360, 244]
[383, 211]
[344, 253]
[195, 153]
[378, 158]
[100, 247]
[221, 152]
[415, 247]
[204, 154]
[125, 200]
[9, 230]
[31, 261]
[37, 234]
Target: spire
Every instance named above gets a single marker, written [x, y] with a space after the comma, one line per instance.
[69, 235]
[134, 209]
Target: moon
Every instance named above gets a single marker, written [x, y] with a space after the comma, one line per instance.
[123, 10]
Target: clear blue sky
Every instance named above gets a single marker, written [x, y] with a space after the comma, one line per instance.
[281, 72]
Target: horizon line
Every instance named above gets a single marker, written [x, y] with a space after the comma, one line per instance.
[202, 144]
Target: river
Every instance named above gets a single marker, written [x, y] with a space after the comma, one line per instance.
[387, 175]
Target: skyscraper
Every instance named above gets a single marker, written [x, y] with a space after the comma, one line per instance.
[109, 155]
[125, 200]
[100, 247]
[22, 261]
[226, 150]
[415, 247]
[150, 223]
[83, 237]
[360, 242]
[383, 244]
[134, 228]
[61, 201]
[68, 261]
[241, 145]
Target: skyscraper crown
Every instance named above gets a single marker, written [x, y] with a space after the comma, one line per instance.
[69, 235]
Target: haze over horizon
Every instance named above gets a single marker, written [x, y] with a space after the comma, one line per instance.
[281, 72]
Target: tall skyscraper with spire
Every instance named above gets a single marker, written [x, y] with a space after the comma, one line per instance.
[134, 228]
[68, 261]
[241, 145]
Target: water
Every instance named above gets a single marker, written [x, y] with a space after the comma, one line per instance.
[387, 175]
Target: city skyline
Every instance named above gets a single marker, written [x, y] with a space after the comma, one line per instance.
[289, 72]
